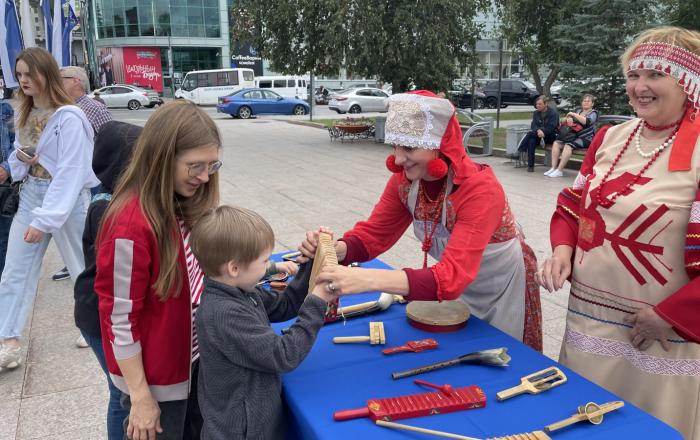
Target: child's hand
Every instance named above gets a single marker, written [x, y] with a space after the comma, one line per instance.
[322, 291]
[289, 267]
[308, 246]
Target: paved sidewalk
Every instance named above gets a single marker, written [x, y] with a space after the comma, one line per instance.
[296, 179]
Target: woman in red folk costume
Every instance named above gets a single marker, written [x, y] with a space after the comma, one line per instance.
[460, 214]
[628, 235]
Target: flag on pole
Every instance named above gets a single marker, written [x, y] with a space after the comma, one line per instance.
[64, 20]
[70, 21]
[48, 23]
[10, 41]
[27, 24]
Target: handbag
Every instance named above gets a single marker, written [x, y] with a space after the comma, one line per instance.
[9, 198]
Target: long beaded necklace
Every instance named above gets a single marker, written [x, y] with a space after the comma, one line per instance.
[436, 207]
[653, 155]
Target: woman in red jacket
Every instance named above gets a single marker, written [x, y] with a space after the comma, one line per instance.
[148, 281]
[460, 214]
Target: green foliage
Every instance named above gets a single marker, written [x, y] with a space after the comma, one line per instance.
[594, 39]
[404, 42]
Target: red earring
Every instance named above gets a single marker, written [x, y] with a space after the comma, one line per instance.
[391, 164]
[437, 168]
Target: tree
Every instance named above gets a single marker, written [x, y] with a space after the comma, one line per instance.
[594, 39]
[410, 42]
[405, 42]
[528, 26]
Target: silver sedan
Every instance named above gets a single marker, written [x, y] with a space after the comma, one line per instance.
[359, 100]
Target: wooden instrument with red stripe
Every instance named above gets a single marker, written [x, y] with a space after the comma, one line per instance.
[418, 405]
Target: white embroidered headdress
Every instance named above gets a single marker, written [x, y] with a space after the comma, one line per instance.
[417, 121]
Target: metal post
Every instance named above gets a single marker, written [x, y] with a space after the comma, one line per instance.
[170, 65]
[500, 77]
[311, 96]
[83, 21]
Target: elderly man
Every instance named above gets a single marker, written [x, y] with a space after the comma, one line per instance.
[75, 82]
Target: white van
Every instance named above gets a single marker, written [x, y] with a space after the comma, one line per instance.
[206, 86]
[287, 86]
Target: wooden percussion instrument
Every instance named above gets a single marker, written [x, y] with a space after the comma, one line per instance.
[590, 411]
[325, 254]
[536, 435]
[376, 336]
[438, 317]
[535, 383]
[418, 405]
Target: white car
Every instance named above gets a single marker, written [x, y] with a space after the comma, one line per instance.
[358, 100]
[125, 96]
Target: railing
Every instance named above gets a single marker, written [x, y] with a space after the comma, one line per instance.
[478, 135]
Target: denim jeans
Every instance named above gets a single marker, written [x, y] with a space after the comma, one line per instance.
[20, 277]
[180, 419]
[115, 413]
[5, 223]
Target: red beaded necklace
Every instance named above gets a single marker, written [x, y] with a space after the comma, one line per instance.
[662, 127]
[608, 202]
[436, 207]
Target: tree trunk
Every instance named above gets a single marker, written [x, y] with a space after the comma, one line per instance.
[534, 70]
[553, 73]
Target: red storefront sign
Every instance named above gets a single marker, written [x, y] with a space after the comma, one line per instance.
[142, 67]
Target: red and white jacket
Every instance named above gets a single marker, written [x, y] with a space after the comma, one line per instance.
[132, 318]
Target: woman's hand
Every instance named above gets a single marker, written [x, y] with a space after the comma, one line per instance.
[648, 327]
[556, 269]
[33, 235]
[31, 162]
[345, 280]
[540, 133]
[144, 418]
[289, 267]
[308, 246]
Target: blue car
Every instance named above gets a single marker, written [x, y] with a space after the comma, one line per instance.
[248, 102]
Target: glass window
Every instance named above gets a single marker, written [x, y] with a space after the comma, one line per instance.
[233, 76]
[291, 83]
[379, 94]
[280, 83]
[120, 90]
[265, 84]
[271, 95]
[248, 75]
[213, 31]
[255, 94]
[364, 92]
[203, 80]
[222, 79]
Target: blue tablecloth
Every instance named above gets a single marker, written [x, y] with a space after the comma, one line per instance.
[335, 377]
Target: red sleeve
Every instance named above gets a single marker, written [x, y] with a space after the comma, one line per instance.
[122, 282]
[479, 204]
[421, 285]
[356, 251]
[680, 308]
[388, 221]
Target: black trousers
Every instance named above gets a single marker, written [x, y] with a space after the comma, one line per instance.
[530, 143]
[180, 419]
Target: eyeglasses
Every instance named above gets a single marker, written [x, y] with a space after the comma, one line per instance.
[196, 169]
[68, 77]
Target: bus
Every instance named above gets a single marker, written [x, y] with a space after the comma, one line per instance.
[206, 86]
[287, 86]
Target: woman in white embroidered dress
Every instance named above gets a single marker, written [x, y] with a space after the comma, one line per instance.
[628, 235]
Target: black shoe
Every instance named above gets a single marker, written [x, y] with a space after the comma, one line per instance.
[514, 156]
[530, 169]
[61, 275]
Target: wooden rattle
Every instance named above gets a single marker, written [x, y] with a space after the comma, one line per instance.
[376, 336]
[535, 383]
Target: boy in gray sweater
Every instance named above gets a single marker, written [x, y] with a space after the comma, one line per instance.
[241, 356]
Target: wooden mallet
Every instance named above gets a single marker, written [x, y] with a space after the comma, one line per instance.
[376, 336]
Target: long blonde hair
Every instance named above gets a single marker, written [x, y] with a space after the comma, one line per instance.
[41, 62]
[173, 129]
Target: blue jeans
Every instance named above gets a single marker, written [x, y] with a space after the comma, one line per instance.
[20, 277]
[5, 223]
[115, 413]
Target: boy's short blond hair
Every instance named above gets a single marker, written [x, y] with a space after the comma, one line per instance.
[230, 233]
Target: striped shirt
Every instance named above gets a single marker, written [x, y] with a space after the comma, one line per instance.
[96, 112]
[195, 277]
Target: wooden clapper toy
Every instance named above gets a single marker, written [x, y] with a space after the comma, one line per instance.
[325, 254]
[376, 336]
[535, 383]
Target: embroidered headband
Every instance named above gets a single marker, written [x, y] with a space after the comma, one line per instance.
[417, 121]
[671, 60]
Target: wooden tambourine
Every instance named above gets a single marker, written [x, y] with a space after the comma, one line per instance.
[437, 317]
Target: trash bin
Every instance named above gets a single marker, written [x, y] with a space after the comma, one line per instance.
[514, 134]
[379, 124]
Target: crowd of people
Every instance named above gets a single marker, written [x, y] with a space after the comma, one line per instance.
[167, 291]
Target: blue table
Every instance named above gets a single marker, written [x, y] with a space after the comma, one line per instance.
[335, 377]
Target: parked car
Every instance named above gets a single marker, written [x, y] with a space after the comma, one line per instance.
[463, 98]
[248, 102]
[125, 96]
[359, 100]
[153, 96]
[513, 92]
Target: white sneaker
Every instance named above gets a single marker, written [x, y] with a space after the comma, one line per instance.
[10, 357]
[81, 342]
[549, 171]
[555, 173]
